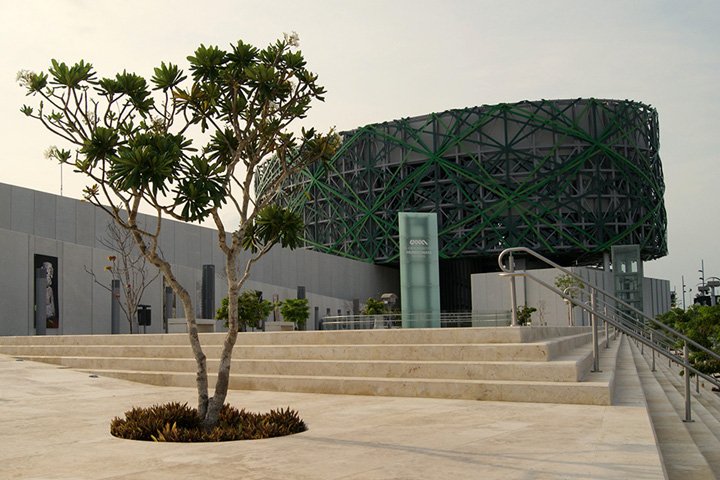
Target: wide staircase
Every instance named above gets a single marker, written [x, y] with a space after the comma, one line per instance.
[653, 363]
[519, 364]
[690, 450]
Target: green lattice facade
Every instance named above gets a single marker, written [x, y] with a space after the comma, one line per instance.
[568, 178]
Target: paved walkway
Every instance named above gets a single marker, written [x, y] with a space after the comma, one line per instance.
[54, 424]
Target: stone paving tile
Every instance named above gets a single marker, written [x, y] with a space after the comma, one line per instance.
[54, 424]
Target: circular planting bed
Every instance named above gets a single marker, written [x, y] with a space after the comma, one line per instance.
[175, 422]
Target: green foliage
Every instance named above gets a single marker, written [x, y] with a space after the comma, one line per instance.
[569, 282]
[274, 224]
[374, 307]
[295, 310]
[150, 161]
[133, 86]
[71, 77]
[251, 310]
[524, 314]
[174, 422]
[701, 324]
[102, 144]
[167, 77]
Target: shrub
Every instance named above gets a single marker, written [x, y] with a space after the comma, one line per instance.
[524, 314]
[174, 422]
[374, 307]
[295, 310]
[252, 310]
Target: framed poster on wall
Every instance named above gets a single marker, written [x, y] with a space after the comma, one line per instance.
[51, 300]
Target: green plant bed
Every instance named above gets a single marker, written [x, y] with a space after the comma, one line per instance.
[175, 422]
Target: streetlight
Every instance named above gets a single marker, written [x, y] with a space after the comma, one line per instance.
[683, 286]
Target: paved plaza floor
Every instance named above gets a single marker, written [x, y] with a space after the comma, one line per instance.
[54, 424]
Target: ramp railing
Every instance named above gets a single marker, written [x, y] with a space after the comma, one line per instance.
[609, 310]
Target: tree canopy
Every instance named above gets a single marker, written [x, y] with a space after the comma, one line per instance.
[185, 145]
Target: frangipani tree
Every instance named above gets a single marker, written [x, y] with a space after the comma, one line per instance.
[133, 140]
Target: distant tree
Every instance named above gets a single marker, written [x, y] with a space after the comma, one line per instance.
[701, 324]
[374, 307]
[133, 141]
[572, 287]
[252, 310]
[128, 267]
[569, 284]
[295, 310]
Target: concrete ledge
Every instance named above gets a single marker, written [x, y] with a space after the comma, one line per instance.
[348, 337]
[204, 325]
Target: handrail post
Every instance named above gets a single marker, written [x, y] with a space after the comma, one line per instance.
[607, 328]
[653, 351]
[593, 321]
[513, 297]
[686, 363]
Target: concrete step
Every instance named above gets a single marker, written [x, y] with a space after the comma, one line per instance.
[709, 399]
[538, 368]
[339, 337]
[585, 393]
[595, 389]
[568, 368]
[543, 350]
[699, 410]
[703, 424]
[681, 456]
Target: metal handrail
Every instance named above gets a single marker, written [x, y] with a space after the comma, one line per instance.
[598, 289]
[395, 320]
[623, 316]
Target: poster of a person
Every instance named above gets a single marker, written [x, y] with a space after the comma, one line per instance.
[50, 267]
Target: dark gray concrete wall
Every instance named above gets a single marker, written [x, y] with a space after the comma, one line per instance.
[34, 222]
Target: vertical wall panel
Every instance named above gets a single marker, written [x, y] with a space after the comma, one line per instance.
[76, 303]
[65, 220]
[45, 210]
[5, 206]
[85, 224]
[23, 209]
[15, 284]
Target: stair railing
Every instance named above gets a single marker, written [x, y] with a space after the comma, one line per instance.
[625, 318]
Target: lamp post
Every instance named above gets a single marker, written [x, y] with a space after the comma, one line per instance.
[683, 290]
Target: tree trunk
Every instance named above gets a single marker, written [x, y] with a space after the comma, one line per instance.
[217, 401]
[186, 300]
[200, 359]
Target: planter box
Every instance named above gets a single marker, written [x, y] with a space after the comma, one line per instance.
[279, 326]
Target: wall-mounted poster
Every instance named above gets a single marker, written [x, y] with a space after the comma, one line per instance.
[51, 300]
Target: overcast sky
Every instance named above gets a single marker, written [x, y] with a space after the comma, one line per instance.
[381, 60]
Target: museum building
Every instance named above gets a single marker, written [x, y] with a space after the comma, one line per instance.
[567, 178]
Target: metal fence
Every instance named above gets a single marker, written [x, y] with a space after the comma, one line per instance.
[395, 320]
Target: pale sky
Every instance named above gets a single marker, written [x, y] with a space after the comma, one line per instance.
[382, 60]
